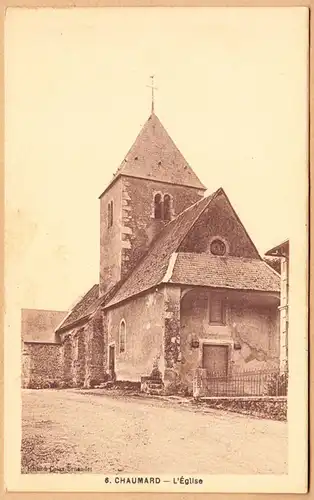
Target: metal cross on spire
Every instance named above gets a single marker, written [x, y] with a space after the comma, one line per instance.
[153, 93]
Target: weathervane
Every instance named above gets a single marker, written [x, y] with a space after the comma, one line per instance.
[153, 89]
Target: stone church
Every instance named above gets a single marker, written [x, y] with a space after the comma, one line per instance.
[181, 284]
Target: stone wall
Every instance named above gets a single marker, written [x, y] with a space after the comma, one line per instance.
[95, 362]
[25, 367]
[105, 327]
[144, 320]
[253, 327]
[134, 226]
[139, 224]
[78, 361]
[256, 328]
[110, 238]
[41, 365]
[219, 220]
[82, 354]
[66, 361]
[173, 341]
[79, 358]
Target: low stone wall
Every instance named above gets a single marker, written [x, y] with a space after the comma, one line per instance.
[41, 365]
[274, 408]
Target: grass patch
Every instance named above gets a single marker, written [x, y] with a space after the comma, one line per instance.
[272, 408]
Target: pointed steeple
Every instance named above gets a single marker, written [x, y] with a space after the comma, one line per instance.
[154, 156]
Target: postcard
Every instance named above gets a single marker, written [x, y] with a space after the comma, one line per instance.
[156, 249]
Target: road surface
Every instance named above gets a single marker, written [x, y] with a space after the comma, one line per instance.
[89, 431]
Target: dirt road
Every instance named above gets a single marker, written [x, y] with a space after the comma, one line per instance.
[73, 431]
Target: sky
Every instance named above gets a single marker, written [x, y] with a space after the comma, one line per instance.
[232, 93]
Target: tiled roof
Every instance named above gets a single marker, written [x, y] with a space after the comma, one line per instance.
[154, 156]
[162, 263]
[152, 268]
[224, 272]
[84, 307]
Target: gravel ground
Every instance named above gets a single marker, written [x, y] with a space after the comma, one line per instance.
[101, 432]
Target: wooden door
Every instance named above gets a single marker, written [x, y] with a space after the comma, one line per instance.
[215, 358]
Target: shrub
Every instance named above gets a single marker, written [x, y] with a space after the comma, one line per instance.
[187, 392]
[274, 408]
[278, 384]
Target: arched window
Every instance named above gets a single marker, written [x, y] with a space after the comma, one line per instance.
[158, 206]
[167, 207]
[122, 336]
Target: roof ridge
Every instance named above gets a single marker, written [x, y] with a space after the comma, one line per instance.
[171, 264]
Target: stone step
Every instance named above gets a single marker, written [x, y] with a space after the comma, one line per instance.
[154, 385]
[155, 392]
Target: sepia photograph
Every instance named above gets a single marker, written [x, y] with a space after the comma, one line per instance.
[156, 216]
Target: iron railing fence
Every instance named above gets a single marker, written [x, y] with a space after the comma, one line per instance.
[247, 383]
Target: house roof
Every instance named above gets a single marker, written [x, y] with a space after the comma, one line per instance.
[152, 268]
[38, 325]
[154, 156]
[240, 273]
[85, 306]
[281, 250]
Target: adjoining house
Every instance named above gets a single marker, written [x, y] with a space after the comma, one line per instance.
[182, 286]
[40, 347]
[282, 251]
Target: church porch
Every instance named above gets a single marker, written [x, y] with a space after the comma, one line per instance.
[217, 330]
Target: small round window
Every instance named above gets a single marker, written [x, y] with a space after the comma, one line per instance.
[217, 247]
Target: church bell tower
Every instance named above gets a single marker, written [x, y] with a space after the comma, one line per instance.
[153, 184]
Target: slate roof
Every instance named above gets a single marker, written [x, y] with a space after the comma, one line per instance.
[85, 306]
[152, 268]
[154, 156]
[224, 272]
